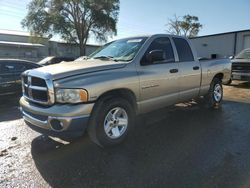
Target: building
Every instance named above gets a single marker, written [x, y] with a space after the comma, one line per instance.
[21, 45]
[222, 44]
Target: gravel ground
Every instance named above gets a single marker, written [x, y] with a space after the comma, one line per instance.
[185, 146]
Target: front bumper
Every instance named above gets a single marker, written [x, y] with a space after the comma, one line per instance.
[57, 120]
[240, 76]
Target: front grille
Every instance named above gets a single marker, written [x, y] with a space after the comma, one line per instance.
[40, 95]
[37, 90]
[38, 82]
[241, 67]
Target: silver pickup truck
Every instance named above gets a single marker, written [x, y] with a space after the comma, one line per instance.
[105, 92]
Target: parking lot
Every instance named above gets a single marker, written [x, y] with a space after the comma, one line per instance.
[185, 146]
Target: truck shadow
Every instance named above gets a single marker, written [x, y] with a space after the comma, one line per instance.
[165, 146]
[9, 108]
[243, 85]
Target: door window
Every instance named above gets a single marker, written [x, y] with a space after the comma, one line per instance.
[30, 66]
[164, 44]
[10, 67]
[183, 49]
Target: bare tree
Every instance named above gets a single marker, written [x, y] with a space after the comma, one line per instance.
[187, 25]
[174, 26]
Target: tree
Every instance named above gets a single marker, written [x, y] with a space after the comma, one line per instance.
[73, 20]
[187, 25]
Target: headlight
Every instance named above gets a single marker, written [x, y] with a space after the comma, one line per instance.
[71, 95]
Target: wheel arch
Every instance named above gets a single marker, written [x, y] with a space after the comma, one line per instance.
[124, 93]
[219, 76]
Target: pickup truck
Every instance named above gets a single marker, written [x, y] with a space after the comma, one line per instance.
[104, 93]
[241, 66]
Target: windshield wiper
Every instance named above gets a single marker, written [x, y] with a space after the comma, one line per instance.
[112, 58]
[105, 57]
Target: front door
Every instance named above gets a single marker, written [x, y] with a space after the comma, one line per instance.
[159, 80]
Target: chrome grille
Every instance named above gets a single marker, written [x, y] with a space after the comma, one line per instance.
[241, 67]
[38, 89]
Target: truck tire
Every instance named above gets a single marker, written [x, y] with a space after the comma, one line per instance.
[215, 94]
[111, 121]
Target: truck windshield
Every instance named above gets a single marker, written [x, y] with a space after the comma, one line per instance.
[120, 50]
[245, 54]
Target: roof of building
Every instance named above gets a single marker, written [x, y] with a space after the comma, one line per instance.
[27, 34]
[13, 32]
[226, 33]
[20, 44]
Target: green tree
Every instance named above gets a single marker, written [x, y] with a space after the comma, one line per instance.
[73, 20]
[187, 25]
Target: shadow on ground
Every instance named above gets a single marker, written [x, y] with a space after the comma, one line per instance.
[188, 146]
[9, 108]
[242, 85]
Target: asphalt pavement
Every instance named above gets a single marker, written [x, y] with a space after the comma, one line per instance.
[184, 146]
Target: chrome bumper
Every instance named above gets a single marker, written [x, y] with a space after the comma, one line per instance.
[57, 118]
[65, 122]
[241, 76]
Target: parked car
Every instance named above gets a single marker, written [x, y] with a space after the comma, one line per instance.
[241, 66]
[127, 77]
[54, 60]
[10, 75]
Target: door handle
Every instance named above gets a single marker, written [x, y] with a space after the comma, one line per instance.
[173, 70]
[196, 68]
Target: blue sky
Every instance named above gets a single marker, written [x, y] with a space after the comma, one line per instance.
[148, 17]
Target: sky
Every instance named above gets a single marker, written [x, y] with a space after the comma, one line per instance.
[138, 17]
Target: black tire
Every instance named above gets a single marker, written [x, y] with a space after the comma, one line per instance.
[211, 100]
[96, 124]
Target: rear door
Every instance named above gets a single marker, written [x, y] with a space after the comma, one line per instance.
[190, 70]
[158, 81]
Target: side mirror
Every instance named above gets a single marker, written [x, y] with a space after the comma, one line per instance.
[231, 57]
[155, 55]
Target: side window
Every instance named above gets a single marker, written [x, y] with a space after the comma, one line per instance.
[12, 67]
[19, 67]
[29, 66]
[164, 44]
[8, 67]
[183, 49]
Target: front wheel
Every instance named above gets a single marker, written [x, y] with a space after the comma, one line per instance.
[215, 94]
[111, 121]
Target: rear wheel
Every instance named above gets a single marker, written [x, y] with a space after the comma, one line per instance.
[111, 121]
[215, 94]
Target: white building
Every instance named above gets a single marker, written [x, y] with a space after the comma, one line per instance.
[222, 44]
[21, 45]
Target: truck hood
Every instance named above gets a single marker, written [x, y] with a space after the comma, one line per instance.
[66, 69]
[240, 60]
